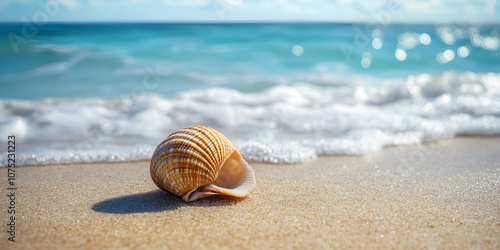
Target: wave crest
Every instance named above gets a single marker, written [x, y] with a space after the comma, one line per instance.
[282, 124]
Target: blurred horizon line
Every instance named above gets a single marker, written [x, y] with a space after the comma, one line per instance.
[258, 22]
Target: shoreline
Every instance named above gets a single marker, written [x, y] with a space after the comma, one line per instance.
[441, 194]
[425, 143]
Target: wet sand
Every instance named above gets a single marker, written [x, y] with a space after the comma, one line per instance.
[436, 195]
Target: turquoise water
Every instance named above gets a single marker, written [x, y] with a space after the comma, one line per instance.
[109, 60]
[283, 93]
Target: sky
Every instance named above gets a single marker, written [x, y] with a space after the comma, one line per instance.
[420, 11]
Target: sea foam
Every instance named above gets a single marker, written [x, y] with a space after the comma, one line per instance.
[282, 124]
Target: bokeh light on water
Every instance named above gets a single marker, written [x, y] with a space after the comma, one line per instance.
[400, 54]
[446, 44]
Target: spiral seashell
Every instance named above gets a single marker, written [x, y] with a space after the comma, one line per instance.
[197, 162]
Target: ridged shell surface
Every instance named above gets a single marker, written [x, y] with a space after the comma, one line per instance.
[190, 158]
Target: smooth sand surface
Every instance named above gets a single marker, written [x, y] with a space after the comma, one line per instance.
[443, 195]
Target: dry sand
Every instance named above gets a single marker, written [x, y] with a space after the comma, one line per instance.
[438, 195]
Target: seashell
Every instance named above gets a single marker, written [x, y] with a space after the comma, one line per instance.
[197, 162]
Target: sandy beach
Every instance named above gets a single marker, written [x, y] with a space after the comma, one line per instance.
[443, 195]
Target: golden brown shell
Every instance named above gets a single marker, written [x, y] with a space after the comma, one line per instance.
[196, 162]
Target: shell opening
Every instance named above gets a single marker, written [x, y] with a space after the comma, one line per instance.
[235, 178]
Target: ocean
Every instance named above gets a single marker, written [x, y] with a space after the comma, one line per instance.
[281, 92]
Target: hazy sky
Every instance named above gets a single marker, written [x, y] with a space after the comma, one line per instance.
[252, 10]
